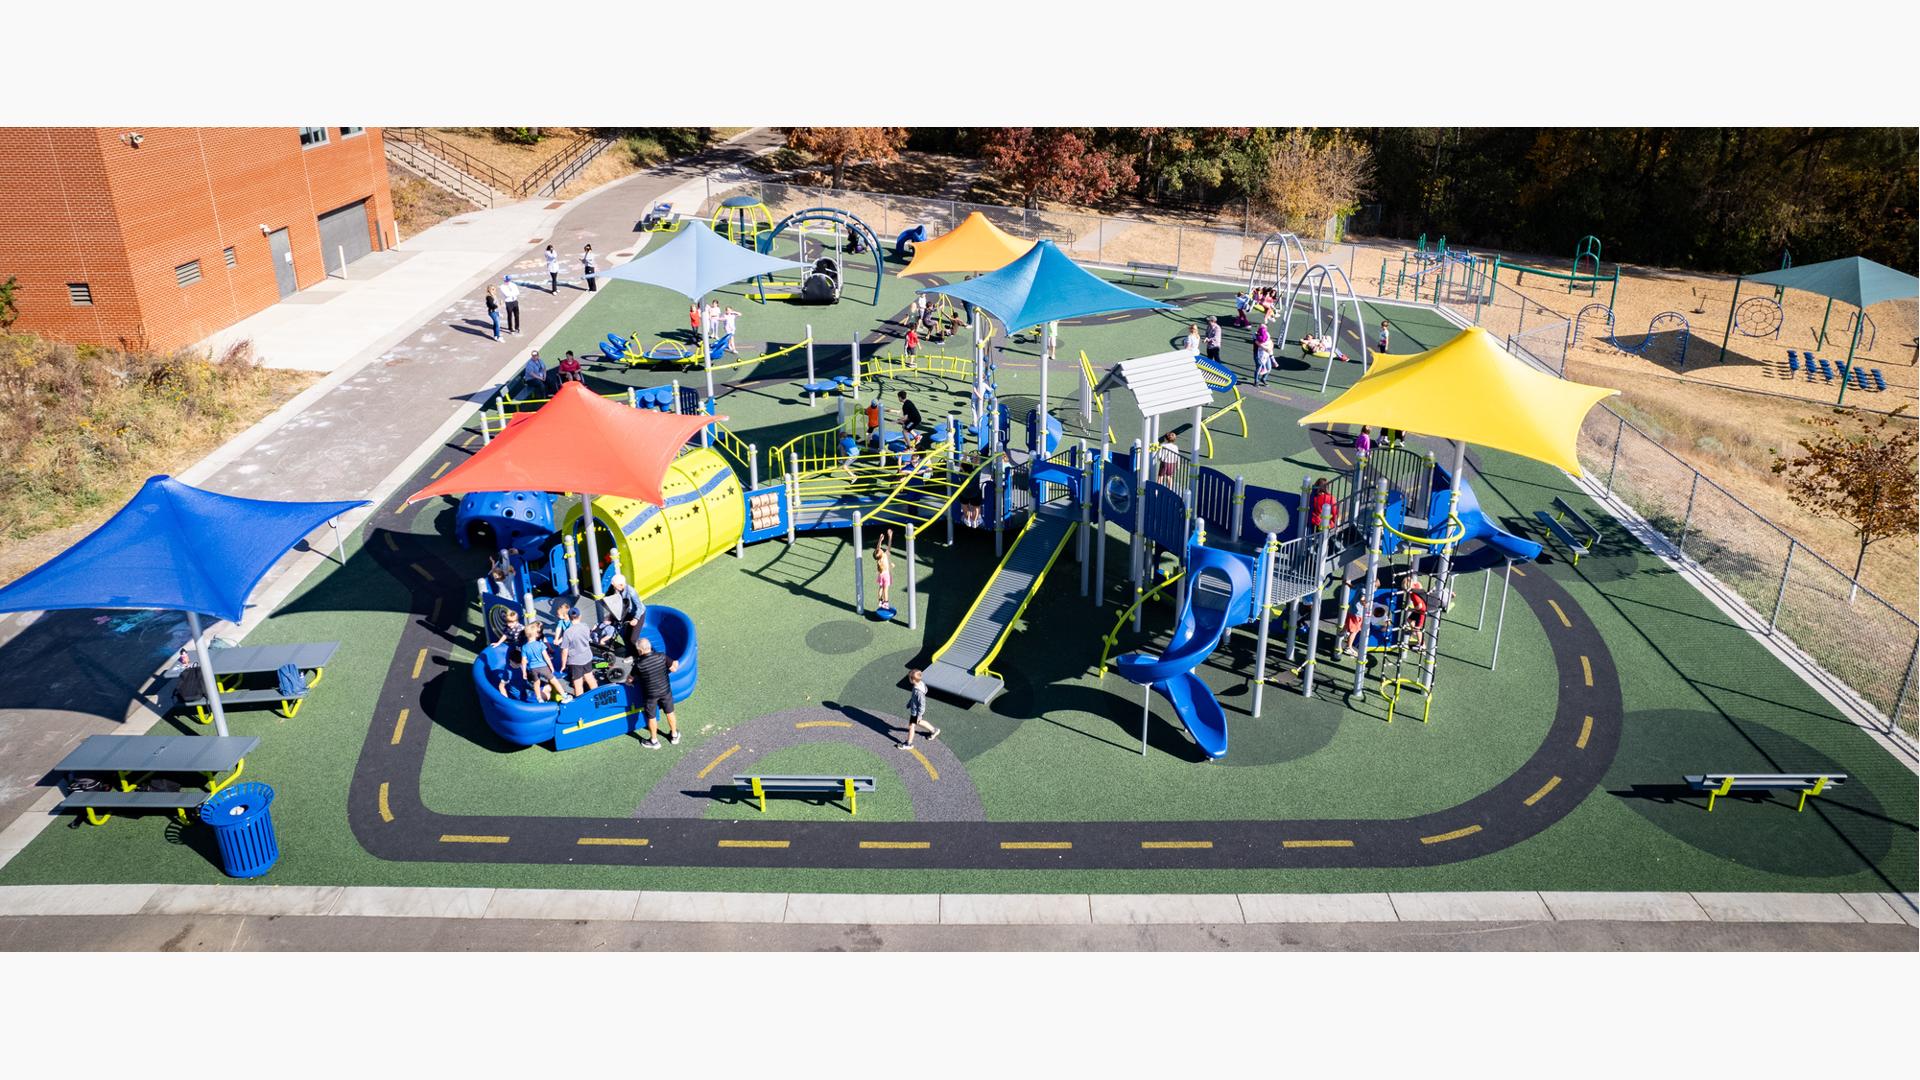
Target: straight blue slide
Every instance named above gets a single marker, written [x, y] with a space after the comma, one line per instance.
[1222, 583]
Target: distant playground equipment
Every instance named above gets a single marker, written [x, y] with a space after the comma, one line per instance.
[1759, 316]
[1328, 284]
[660, 218]
[903, 245]
[741, 219]
[1586, 251]
[1666, 319]
[628, 351]
[1590, 311]
[1440, 272]
[821, 284]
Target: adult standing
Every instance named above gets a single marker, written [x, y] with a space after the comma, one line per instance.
[627, 609]
[493, 311]
[553, 270]
[729, 322]
[586, 267]
[651, 671]
[510, 295]
[1262, 355]
[1213, 339]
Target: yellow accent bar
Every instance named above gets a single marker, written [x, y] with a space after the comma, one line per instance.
[1586, 669]
[399, 728]
[1113, 636]
[1819, 786]
[1726, 785]
[419, 662]
[853, 801]
[386, 814]
[1586, 730]
[760, 793]
[984, 667]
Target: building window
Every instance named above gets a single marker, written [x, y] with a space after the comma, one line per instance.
[348, 133]
[230, 259]
[80, 294]
[187, 273]
[312, 137]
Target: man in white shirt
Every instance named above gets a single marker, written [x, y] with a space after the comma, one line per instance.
[510, 296]
[729, 321]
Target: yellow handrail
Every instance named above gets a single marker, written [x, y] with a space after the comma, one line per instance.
[975, 606]
[928, 459]
[984, 668]
[1455, 530]
[778, 455]
[959, 486]
[1113, 636]
[941, 363]
[762, 357]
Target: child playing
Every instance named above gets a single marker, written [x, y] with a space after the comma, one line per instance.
[849, 446]
[1363, 443]
[1241, 304]
[1350, 628]
[883, 568]
[511, 632]
[513, 681]
[917, 708]
[913, 345]
[1381, 345]
[533, 646]
[1193, 339]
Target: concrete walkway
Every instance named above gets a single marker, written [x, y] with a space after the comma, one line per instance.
[406, 359]
[260, 918]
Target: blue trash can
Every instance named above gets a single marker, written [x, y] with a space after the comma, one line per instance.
[243, 823]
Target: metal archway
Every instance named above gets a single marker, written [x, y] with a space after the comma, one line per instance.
[846, 221]
[1334, 281]
[1283, 260]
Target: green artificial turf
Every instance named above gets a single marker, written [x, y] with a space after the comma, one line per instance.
[777, 632]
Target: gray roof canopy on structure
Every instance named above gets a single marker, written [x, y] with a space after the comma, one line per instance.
[1857, 281]
[1160, 384]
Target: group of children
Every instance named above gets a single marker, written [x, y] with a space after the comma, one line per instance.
[716, 322]
[1414, 604]
[929, 321]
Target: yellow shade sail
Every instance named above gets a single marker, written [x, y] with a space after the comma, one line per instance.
[976, 246]
[1472, 390]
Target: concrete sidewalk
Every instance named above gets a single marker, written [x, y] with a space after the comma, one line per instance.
[399, 381]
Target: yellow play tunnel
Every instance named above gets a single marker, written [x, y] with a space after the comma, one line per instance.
[655, 545]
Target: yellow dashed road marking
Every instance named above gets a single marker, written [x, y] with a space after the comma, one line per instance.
[385, 814]
[462, 838]
[1586, 669]
[469, 440]
[1542, 793]
[1454, 835]
[421, 570]
[399, 727]
[1564, 621]
[1150, 844]
[896, 845]
[1586, 729]
[388, 537]
[1035, 845]
[755, 843]
[434, 617]
[612, 841]
[1517, 572]
[419, 662]
[724, 755]
[1341, 454]
[444, 466]
[823, 723]
[932, 773]
[1316, 843]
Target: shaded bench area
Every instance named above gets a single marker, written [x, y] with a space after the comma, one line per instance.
[847, 787]
[1576, 533]
[1807, 784]
[1158, 275]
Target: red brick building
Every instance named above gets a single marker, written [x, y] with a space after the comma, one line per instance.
[159, 237]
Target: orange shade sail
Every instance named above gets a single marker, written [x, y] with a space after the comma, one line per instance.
[577, 442]
[975, 246]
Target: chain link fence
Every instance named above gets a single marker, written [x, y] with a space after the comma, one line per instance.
[1863, 645]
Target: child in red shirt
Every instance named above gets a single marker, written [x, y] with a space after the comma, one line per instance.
[913, 345]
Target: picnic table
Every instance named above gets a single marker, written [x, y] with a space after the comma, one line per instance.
[231, 666]
[134, 758]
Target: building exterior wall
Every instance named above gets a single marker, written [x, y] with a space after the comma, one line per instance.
[81, 205]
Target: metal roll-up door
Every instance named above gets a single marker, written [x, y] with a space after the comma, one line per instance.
[344, 230]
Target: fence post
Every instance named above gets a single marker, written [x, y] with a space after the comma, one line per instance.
[1179, 238]
[1523, 317]
[1906, 683]
[1686, 520]
[1780, 596]
[1615, 460]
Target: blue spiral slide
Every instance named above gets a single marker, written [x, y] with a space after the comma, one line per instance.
[1222, 588]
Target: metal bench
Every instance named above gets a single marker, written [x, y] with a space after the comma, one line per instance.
[1718, 784]
[1557, 521]
[132, 800]
[1163, 272]
[848, 786]
[287, 704]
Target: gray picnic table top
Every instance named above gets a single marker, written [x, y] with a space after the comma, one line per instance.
[158, 753]
[251, 659]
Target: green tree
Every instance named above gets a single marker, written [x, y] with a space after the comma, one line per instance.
[9, 307]
[1864, 477]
